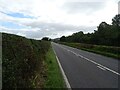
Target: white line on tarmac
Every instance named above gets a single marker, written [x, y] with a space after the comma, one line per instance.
[63, 73]
[101, 68]
[92, 61]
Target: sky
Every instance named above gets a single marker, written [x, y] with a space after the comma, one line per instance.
[54, 18]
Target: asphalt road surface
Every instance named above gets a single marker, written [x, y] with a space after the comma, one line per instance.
[87, 70]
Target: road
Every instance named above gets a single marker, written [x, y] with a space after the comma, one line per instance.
[87, 70]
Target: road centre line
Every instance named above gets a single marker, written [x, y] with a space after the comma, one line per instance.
[92, 61]
[101, 68]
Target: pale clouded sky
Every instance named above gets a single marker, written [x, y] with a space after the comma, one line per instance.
[54, 18]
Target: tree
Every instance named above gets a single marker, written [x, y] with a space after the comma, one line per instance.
[78, 37]
[63, 39]
[116, 20]
[105, 34]
[45, 39]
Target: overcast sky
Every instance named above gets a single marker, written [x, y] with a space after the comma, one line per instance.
[54, 18]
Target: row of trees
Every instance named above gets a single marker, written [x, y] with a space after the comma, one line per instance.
[105, 34]
[46, 39]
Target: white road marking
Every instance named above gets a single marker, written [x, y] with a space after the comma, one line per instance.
[63, 73]
[68, 50]
[92, 61]
[101, 68]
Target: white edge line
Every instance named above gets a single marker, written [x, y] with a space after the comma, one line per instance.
[63, 73]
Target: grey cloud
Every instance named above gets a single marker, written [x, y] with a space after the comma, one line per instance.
[55, 29]
[37, 34]
[51, 26]
[83, 7]
[51, 30]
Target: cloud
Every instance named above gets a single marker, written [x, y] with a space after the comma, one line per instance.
[119, 7]
[86, 7]
[54, 18]
[39, 30]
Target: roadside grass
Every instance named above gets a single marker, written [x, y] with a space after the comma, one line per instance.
[54, 77]
[109, 51]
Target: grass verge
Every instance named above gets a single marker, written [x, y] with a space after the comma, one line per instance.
[109, 51]
[54, 77]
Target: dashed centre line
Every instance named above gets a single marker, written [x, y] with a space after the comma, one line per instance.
[101, 68]
[98, 65]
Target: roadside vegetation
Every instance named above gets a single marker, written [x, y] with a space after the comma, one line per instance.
[54, 77]
[105, 40]
[109, 51]
[23, 62]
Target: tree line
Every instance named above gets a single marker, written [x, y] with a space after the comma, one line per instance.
[105, 34]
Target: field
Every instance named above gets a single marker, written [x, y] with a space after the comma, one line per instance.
[109, 51]
[22, 62]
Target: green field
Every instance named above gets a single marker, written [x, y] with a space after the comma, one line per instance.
[110, 51]
[28, 63]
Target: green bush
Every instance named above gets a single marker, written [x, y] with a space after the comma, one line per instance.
[22, 60]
